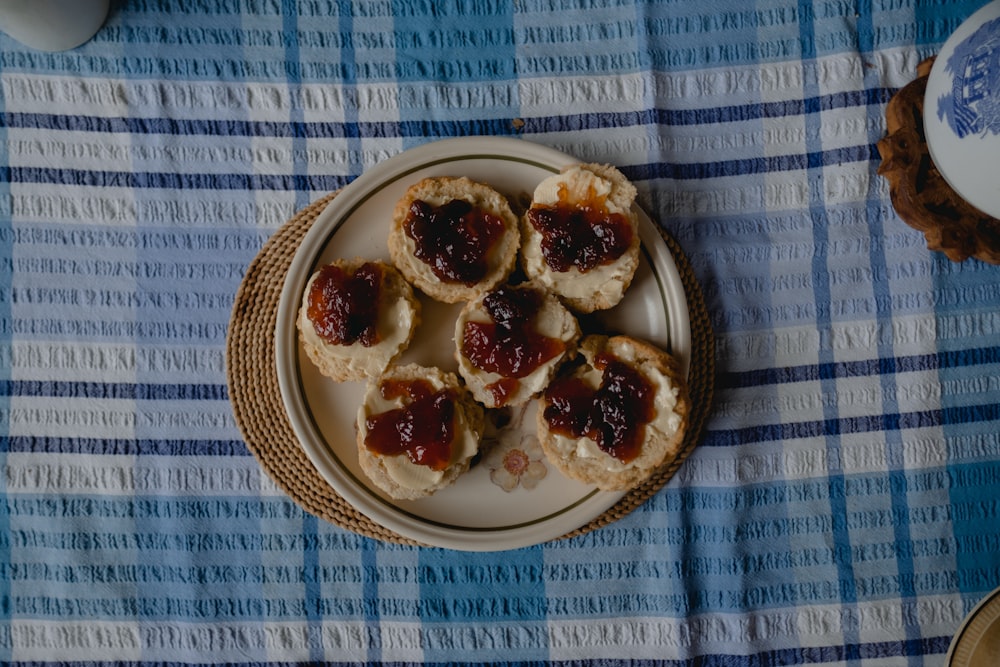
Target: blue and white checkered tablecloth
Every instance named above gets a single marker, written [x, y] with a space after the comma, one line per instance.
[842, 508]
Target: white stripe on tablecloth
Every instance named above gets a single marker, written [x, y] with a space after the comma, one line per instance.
[29, 474]
[674, 639]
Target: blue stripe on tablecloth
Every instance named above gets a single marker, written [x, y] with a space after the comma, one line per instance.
[882, 293]
[476, 44]
[129, 284]
[172, 181]
[112, 531]
[936, 21]
[758, 575]
[710, 115]
[968, 298]
[320, 182]
[313, 588]
[505, 588]
[421, 128]
[293, 75]
[7, 243]
[225, 585]
[521, 587]
[976, 523]
[758, 165]
[821, 284]
[211, 564]
[947, 416]
[718, 34]
[205, 45]
[122, 329]
[449, 50]
[114, 390]
[955, 416]
[350, 82]
[122, 446]
[300, 183]
[791, 656]
[951, 359]
[199, 243]
[370, 594]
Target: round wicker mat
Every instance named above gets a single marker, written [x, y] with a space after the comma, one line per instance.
[253, 387]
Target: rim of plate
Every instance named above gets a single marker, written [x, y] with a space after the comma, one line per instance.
[319, 451]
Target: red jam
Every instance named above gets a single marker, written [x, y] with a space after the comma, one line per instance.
[343, 306]
[502, 389]
[614, 415]
[453, 239]
[423, 429]
[581, 234]
[510, 345]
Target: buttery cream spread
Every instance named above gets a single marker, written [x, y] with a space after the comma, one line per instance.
[581, 185]
[666, 421]
[400, 468]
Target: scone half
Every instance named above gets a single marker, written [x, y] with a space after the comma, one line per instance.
[418, 430]
[614, 419]
[510, 341]
[454, 238]
[580, 236]
[356, 317]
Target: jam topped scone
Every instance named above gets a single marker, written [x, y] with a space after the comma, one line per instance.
[356, 317]
[617, 417]
[580, 237]
[510, 341]
[418, 430]
[454, 238]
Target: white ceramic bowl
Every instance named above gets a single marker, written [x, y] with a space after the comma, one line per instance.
[962, 110]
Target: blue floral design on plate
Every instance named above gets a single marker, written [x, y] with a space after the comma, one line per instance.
[973, 107]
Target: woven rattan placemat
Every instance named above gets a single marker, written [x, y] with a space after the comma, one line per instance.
[253, 386]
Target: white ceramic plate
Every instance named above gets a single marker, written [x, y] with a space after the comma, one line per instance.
[962, 110]
[977, 642]
[473, 514]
